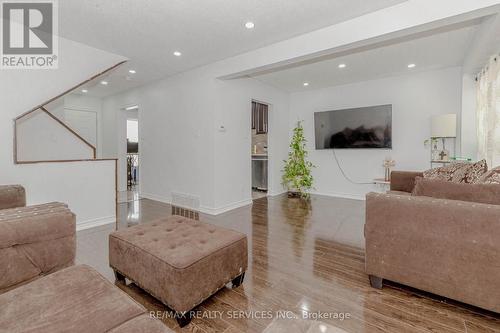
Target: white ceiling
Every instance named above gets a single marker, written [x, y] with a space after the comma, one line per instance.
[445, 49]
[148, 32]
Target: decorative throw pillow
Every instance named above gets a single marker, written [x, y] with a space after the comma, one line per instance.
[480, 193]
[490, 177]
[471, 173]
[444, 173]
[458, 172]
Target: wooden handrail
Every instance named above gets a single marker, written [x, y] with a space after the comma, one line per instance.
[59, 121]
[69, 161]
[69, 90]
[42, 107]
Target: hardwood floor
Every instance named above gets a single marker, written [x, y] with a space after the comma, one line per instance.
[303, 258]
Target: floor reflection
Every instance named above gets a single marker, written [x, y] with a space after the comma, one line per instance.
[304, 257]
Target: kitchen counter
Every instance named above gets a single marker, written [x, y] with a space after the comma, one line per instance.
[259, 156]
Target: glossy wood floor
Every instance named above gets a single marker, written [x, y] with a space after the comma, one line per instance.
[304, 258]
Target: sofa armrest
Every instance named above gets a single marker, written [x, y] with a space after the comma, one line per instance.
[35, 241]
[404, 181]
[446, 247]
[12, 196]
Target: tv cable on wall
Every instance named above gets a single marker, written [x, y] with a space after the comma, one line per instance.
[344, 174]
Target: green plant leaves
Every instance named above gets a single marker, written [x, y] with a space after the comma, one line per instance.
[297, 175]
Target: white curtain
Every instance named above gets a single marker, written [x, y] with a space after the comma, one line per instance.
[488, 112]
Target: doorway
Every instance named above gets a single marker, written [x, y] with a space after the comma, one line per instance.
[133, 159]
[259, 149]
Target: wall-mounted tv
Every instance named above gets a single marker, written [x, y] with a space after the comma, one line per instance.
[367, 127]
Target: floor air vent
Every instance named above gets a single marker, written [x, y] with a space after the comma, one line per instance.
[185, 205]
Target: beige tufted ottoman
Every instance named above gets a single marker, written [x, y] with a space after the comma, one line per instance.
[179, 261]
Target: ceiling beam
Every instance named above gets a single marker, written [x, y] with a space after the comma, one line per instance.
[398, 22]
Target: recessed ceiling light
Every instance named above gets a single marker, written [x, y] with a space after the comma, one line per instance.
[411, 65]
[104, 83]
[249, 25]
[85, 91]
[177, 54]
[306, 84]
[132, 71]
[342, 65]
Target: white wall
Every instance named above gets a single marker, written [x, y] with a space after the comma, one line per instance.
[233, 146]
[182, 149]
[88, 187]
[78, 104]
[41, 138]
[415, 98]
[74, 109]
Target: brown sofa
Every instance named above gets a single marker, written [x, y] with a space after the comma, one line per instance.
[446, 247]
[40, 290]
[35, 240]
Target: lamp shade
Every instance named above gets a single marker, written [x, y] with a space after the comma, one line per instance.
[444, 126]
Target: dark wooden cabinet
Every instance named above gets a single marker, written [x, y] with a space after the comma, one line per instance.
[259, 117]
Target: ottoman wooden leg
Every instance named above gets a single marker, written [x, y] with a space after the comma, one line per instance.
[237, 281]
[376, 282]
[119, 277]
[183, 318]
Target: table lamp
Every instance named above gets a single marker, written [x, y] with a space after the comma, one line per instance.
[444, 126]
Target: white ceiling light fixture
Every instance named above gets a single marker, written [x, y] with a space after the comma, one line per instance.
[305, 84]
[249, 25]
[85, 91]
[342, 65]
[104, 83]
[134, 107]
[177, 53]
[412, 66]
[132, 71]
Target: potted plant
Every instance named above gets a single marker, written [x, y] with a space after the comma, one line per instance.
[433, 142]
[297, 177]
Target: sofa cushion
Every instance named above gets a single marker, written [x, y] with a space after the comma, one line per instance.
[445, 172]
[76, 299]
[38, 223]
[480, 193]
[458, 172]
[490, 177]
[471, 173]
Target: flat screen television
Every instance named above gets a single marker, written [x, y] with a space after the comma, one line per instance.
[367, 127]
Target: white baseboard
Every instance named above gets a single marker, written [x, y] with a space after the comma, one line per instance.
[82, 225]
[342, 195]
[155, 197]
[275, 194]
[202, 209]
[226, 208]
[334, 195]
